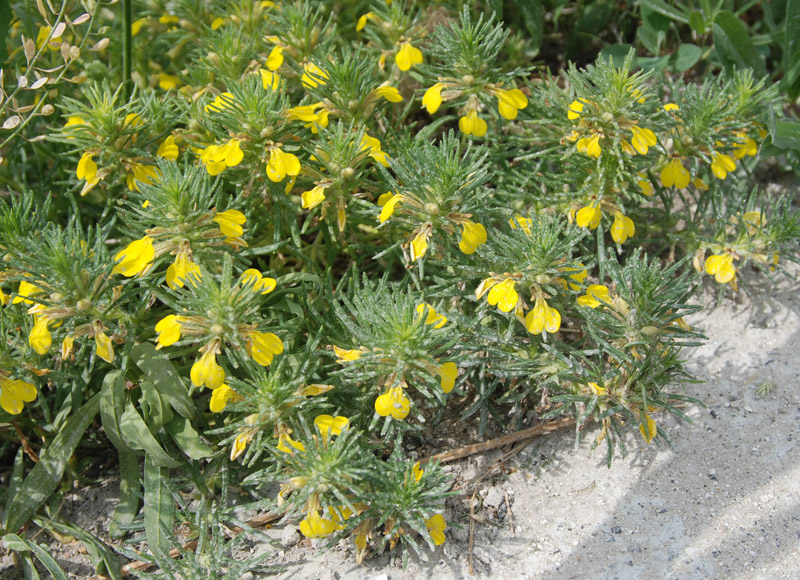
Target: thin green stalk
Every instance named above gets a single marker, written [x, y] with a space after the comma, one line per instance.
[127, 42]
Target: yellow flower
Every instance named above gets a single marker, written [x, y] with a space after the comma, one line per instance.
[305, 113]
[103, 346]
[595, 295]
[344, 355]
[393, 402]
[389, 206]
[26, 289]
[167, 81]
[231, 222]
[472, 124]
[432, 317]
[391, 94]
[675, 174]
[669, 107]
[136, 26]
[275, 58]
[218, 158]
[542, 318]
[503, 295]
[314, 197]
[168, 149]
[87, 168]
[407, 56]
[509, 103]
[269, 80]
[745, 146]
[147, 174]
[219, 398]
[328, 424]
[578, 277]
[221, 101]
[721, 267]
[575, 109]
[590, 145]
[136, 258]
[436, 527]
[281, 164]
[362, 20]
[648, 429]
[645, 185]
[472, 236]
[448, 373]
[419, 245]
[169, 330]
[263, 346]
[524, 223]
[240, 443]
[417, 471]
[288, 445]
[622, 228]
[642, 139]
[373, 145]
[432, 99]
[721, 164]
[217, 23]
[314, 526]
[589, 217]
[40, 338]
[313, 76]
[258, 281]
[755, 219]
[182, 269]
[598, 390]
[14, 393]
[66, 346]
[206, 371]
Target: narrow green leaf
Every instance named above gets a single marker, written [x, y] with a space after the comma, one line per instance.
[166, 379]
[45, 476]
[137, 435]
[112, 406]
[187, 438]
[17, 474]
[665, 9]
[29, 571]
[103, 557]
[697, 22]
[496, 6]
[616, 52]
[129, 489]
[18, 544]
[159, 509]
[734, 46]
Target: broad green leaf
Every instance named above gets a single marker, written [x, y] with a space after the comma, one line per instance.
[785, 133]
[734, 46]
[532, 15]
[187, 438]
[138, 436]
[112, 406]
[46, 474]
[159, 509]
[654, 20]
[164, 377]
[685, 57]
[665, 9]
[17, 474]
[155, 409]
[651, 39]
[697, 22]
[616, 52]
[129, 490]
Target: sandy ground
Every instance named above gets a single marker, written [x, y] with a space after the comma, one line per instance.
[724, 503]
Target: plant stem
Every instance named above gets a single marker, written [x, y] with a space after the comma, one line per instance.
[127, 41]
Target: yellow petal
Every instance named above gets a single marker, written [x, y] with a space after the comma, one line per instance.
[219, 398]
[407, 56]
[448, 373]
[432, 99]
